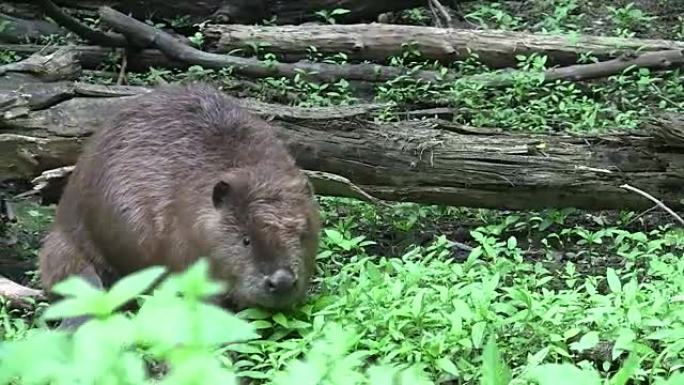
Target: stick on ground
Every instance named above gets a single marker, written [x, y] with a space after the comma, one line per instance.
[654, 200]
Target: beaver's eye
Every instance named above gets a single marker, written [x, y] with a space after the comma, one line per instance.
[246, 241]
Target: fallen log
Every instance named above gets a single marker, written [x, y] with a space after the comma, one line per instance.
[94, 57]
[148, 36]
[18, 30]
[18, 295]
[377, 42]
[430, 161]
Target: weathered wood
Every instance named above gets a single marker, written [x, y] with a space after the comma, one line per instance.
[376, 42]
[19, 30]
[82, 30]
[149, 36]
[19, 295]
[429, 161]
[60, 64]
[657, 60]
[93, 57]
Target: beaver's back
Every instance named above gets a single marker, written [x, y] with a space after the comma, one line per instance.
[141, 183]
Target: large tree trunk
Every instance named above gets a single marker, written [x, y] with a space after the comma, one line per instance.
[376, 42]
[428, 161]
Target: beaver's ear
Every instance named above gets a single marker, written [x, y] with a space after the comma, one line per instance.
[220, 194]
[229, 188]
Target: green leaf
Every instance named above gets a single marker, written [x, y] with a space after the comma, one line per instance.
[628, 369]
[217, 326]
[68, 308]
[76, 286]
[494, 370]
[254, 313]
[382, 375]
[613, 281]
[512, 243]
[562, 374]
[261, 324]
[587, 341]
[623, 342]
[417, 303]
[477, 333]
[281, 320]
[132, 285]
[448, 366]
[675, 379]
[195, 283]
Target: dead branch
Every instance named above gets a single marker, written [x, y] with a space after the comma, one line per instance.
[138, 31]
[659, 60]
[654, 200]
[440, 13]
[106, 39]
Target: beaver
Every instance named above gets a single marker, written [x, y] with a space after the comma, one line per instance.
[183, 172]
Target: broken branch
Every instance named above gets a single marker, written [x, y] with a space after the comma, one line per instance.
[139, 31]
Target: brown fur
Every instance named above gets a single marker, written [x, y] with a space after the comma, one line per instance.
[180, 173]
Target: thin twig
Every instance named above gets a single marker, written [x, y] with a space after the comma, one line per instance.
[71, 23]
[640, 215]
[122, 72]
[654, 200]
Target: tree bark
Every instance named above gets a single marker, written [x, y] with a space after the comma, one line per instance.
[148, 36]
[18, 295]
[93, 56]
[376, 42]
[429, 161]
[95, 36]
[18, 30]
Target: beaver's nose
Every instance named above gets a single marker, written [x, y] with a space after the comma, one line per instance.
[282, 281]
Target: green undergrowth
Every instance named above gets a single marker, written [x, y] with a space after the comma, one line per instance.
[620, 102]
[555, 293]
[626, 18]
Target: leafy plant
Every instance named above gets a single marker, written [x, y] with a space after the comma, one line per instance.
[174, 326]
[329, 15]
